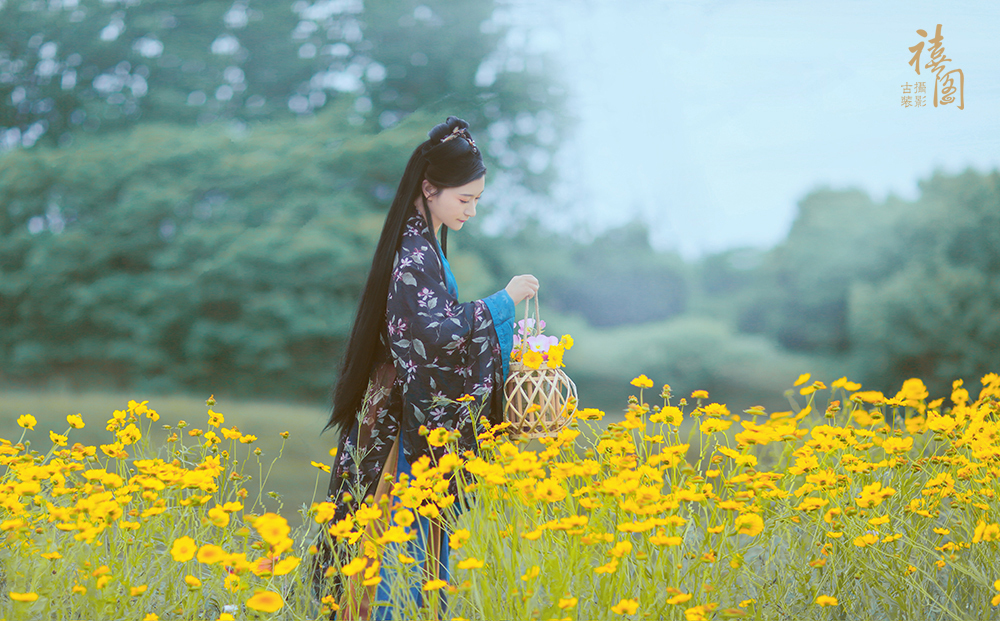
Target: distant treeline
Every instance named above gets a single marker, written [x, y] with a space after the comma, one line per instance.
[183, 258]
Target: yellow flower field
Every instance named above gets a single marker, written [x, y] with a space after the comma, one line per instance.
[851, 505]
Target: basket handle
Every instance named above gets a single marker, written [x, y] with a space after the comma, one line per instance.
[537, 327]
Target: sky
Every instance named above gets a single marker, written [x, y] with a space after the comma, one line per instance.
[711, 120]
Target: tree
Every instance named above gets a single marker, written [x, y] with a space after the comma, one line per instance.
[93, 66]
[837, 238]
[193, 258]
[938, 316]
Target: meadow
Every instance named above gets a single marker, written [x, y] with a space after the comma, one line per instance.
[852, 504]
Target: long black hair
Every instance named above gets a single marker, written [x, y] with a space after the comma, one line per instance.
[447, 160]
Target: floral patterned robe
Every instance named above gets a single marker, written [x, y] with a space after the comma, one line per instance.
[433, 348]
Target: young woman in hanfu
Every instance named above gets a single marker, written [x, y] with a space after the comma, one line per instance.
[414, 351]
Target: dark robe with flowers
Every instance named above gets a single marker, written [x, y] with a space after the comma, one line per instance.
[434, 351]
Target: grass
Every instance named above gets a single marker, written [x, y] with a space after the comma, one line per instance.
[293, 478]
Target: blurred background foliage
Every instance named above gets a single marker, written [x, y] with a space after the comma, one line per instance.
[190, 194]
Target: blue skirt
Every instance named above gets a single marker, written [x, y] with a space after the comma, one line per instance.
[383, 608]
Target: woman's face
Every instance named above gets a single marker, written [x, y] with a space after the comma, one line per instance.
[453, 206]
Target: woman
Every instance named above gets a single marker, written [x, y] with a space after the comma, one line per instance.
[413, 344]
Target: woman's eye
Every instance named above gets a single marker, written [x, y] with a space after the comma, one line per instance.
[464, 202]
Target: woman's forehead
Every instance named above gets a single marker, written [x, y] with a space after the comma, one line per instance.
[472, 188]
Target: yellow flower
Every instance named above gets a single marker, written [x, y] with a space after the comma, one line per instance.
[215, 419]
[23, 597]
[670, 414]
[986, 532]
[531, 573]
[625, 606]
[129, 435]
[696, 614]
[532, 359]
[466, 397]
[471, 563]
[429, 511]
[218, 516]
[75, 421]
[316, 464]
[897, 445]
[403, 517]
[272, 528]
[232, 583]
[434, 585]
[802, 379]
[183, 549]
[549, 490]
[354, 566]
[138, 590]
[567, 602]
[826, 600]
[58, 440]
[555, 355]
[438, 437]
[589, 414]
[749, 524]
[151, 617]
[716, 410]
[286, 565]
[712, 425]
[265, 601]
[680, 598]
[566, 342]
[458, 538]
[642, 382]
[28, 422]
[209, 554]
[192, 582]
[661, 539]
[699, 394]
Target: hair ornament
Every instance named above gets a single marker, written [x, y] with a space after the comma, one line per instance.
[461, 132]
[458, 129]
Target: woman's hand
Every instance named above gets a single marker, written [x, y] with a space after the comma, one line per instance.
[522, 287]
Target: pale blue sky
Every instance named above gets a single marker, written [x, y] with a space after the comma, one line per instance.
[712, 119]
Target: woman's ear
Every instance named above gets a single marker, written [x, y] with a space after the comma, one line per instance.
[428, 188]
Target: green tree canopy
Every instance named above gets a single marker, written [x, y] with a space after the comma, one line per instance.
[85, 66]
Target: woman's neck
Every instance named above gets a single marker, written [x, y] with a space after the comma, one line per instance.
[435, 226]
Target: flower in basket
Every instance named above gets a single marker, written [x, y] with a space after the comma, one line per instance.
[539, 349]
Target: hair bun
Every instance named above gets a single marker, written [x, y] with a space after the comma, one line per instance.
[443, 129]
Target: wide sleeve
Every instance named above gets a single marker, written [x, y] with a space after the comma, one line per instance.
[442, 350]
[501, 307]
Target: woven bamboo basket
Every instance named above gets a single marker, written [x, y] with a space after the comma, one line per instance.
[540, 402]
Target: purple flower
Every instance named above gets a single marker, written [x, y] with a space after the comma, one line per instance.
[541, 343]
[526, 326]
[424, 295]
[397, 326]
